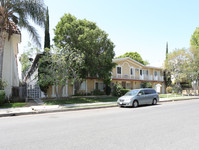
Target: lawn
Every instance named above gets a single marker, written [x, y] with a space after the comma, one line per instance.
[12, 105]
[80, 100]
[169, 95]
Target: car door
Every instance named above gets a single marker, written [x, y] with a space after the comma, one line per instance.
[141, 97]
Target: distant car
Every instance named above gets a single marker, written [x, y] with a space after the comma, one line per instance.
[138, 97]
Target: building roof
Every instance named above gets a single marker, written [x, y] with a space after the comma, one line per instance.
[124, 58]
[14, 27]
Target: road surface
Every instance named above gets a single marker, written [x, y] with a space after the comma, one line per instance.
[167, 126]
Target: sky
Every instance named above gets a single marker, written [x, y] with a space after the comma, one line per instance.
[141, 26]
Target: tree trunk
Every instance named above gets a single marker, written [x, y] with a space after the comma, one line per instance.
[2, 43]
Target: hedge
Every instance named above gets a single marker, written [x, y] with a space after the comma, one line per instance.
[2, 97]
[124, 91]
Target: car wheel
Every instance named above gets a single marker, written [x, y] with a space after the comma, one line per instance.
[135, 104]
[154, 101]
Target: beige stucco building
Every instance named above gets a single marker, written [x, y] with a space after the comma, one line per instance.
[128, 72]
[10, 65]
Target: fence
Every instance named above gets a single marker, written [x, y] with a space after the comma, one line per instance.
[19, 94]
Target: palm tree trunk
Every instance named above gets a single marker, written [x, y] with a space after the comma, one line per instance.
[2, 43]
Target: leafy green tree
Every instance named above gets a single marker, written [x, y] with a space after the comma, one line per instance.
[167, 74]
[47, 34]
[177, 64]
[86, 38]
[58, 67]
[136, 56]
[194, 42]
[19, 11]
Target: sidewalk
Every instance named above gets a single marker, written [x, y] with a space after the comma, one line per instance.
[71, 107]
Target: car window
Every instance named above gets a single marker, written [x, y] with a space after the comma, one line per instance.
[147, 92]
[141, 93]
[131, 93]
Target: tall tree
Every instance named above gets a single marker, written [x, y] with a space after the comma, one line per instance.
[167, 50]
[47, 34]
[194, 41]
[19, 11]
[167, 74]
[178, 64]
[88, 39]
[136, 56]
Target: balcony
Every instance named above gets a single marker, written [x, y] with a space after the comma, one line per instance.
[144, 77]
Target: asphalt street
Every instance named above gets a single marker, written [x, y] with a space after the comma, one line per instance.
[167, 126]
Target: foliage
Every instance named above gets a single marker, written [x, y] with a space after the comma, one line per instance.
[86, 38]
[12, 105]
[3, 84]
[169, 89]
[97, 92]
[124, 91]
[2, 97]
[178, 64]
[167, 78]
[25, 58]
[134, 55]
[107, 89]
[47, 34]
[117, 90]
[19, 12]
[194, 42]
[146, 85]
[55, 69]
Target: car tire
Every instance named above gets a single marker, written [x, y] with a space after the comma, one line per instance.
[154, 101]
[135, 104]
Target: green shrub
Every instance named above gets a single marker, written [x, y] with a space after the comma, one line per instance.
[146, 85]
[2, 97]
[124, 91]
[108, 90]
[98, 92]
[117, 90]
[169, 89]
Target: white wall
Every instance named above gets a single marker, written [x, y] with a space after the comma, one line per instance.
[10, 69]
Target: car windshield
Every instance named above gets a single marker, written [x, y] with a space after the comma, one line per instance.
[131, 93]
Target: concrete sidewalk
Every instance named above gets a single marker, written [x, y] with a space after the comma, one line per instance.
[68, 107]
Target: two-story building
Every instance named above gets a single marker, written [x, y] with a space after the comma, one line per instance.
[131, 74]
[128, 72]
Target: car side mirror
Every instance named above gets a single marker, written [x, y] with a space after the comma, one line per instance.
[139, 94]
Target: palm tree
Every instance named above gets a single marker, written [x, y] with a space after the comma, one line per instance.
[17, 12]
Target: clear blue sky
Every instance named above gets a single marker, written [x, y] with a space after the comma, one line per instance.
[133, 25]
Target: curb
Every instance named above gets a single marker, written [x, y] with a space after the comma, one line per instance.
[54, 111]
[179, 99]
[77, 109]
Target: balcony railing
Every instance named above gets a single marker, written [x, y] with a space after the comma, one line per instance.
[144, 77]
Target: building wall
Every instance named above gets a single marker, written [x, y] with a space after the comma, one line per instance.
[10, 68]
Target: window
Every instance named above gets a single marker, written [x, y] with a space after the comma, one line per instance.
[147, 72]
[141, 72]
[155, 73]
[83, 86]
[132, 71]
[99, 86]
[119, 70]
[141, 93]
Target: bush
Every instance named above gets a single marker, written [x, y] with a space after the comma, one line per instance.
[97, 92]
[117, 90]
[124, 91]
[146, 85]
[2, 97]
[108, 90]
[169, 89]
